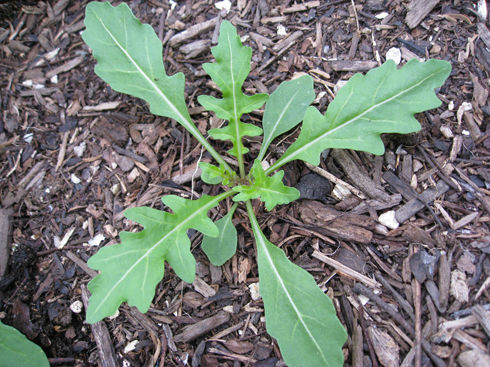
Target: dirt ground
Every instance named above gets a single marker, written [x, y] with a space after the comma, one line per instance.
[74, 154]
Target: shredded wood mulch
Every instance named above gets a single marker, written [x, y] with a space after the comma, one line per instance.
[401, 242]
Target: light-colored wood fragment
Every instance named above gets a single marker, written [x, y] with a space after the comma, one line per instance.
[104, 106]
[278, 19]
[302, 7]
[203, 288]
[341, 268]
[65, 67]
[193, 31]
[288, 41]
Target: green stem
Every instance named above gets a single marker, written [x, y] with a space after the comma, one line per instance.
[279, 163]
[192, 129]
[241, 164]
[251, 214]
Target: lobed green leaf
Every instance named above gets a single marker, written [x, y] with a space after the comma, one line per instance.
[382, 101]
[214, 175]
[230, 70]
[130, 271]
[297, 313]
[270, 189]
[17, 350]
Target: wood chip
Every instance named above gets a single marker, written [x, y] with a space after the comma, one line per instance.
[107, 357]
[418, 10]
[413, 206]
[193, 31]
[194, 331]
[5, 227]
[65, 67]
[344, 270]
[104, 106]
[353, 65]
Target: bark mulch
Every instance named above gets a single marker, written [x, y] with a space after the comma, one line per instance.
[401, 242]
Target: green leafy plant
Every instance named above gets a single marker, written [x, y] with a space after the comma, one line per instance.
[298, 314]
[17, 350]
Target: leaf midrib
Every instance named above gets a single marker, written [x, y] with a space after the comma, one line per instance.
[182, 118]
[267, 141]
[205, 208]
[261, 242]
[305, 147]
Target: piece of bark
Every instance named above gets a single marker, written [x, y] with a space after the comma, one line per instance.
[351, 227]
[5, 227]
[107, 357]
[415, 205]
[386, 348]
[34, 176]
[357, 346]
[195, 48]
[483, 317]
[287, 42]
[193, 31]
[81, 264]
[194, 331]
[345, 270]
[65, 67]
[353, 65]
[418, 10]
[361, 179]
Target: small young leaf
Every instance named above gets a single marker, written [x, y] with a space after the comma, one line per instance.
[131, 270]
[129, 56]
[214, 175]
[382, 101]
[271, 190]
[220, 249]
[297, 313]
[285, 109]
[229, 72]
[17, 350]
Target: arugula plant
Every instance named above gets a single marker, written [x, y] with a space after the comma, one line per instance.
[298, 314]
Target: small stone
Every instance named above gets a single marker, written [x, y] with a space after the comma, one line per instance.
[75, 179]
[394, 54]
[76, 306]
[80, 149]
[130, 346]
[254, 291]
[225, 4]
[388, 219]
[96, 240]
[281, 30]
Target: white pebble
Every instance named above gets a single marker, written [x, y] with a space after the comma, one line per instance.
[394, 54]
[254, 291]
[76, 306]
[388, 219]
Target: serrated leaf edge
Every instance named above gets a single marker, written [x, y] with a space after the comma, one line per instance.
[198, 212]
[284, 159]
